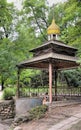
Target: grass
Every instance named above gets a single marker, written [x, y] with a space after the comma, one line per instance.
[76, 126]
[8, 93]
[38, 112]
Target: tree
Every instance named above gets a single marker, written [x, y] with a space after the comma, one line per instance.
[6, 16]
[68, 17]
[6, 46]
[70, 23]
[36, 14]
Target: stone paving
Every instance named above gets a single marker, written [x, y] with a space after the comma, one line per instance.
[4, 127]
[66, 124]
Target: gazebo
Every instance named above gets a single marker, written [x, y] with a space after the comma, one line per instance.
[53, 55]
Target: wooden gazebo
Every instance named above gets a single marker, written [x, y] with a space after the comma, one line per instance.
[52, 55]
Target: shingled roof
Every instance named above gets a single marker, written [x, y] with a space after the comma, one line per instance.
[54, 43]
[42, 61]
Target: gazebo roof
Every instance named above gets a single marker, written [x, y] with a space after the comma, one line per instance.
[59, 61]
[52, 51]
[54, 43]
[53, 28]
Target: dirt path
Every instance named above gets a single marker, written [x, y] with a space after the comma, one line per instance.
[53, 116]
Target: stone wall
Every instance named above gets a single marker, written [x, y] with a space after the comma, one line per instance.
[7, 109]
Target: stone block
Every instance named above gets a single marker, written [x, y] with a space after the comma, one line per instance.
[18, 128]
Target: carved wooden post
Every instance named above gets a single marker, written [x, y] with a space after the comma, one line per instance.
[50, 82]
[18, 78]
[56, 75]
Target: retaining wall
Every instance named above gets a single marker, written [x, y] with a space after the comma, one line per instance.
[23, 105]
[7, 109]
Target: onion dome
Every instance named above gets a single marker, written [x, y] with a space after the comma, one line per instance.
[53, 28]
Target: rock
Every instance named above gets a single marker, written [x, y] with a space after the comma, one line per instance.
[18, 128]
[21, 119]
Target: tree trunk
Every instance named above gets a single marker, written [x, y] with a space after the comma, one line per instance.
[2, 83]
[67, 81]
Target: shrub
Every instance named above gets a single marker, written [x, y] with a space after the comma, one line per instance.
[38, 112]
[8, 93]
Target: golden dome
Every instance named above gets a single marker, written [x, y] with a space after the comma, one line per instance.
[53, 28]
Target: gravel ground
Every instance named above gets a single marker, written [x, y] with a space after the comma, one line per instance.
[52, 117]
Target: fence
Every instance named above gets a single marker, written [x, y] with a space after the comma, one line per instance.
[61, 91]
[69, 91]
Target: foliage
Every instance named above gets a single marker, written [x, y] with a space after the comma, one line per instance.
[6, 17]
[7, 58]
[73, 77]
[68, 17]
[8, 93]
[34, 78]
[38, 112]
[36, 10]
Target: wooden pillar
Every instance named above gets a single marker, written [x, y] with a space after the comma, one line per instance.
[50, 82]
[18, 84]
[56, 74]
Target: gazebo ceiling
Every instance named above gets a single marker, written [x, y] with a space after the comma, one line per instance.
[58, 61]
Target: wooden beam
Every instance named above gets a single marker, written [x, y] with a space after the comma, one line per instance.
[50, 82]
[56, 75]
[18, 84]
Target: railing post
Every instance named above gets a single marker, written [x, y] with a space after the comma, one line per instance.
[50, 82]
[18, 84]
[56, 74]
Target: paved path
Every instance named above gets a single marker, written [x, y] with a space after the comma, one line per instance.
[1, 93]
[63, 125]
[66, 124]
[4, 127]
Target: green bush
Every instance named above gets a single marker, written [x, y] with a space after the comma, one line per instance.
[38, 112]
[8, 93]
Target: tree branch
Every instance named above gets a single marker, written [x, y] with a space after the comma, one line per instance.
[38, 23]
